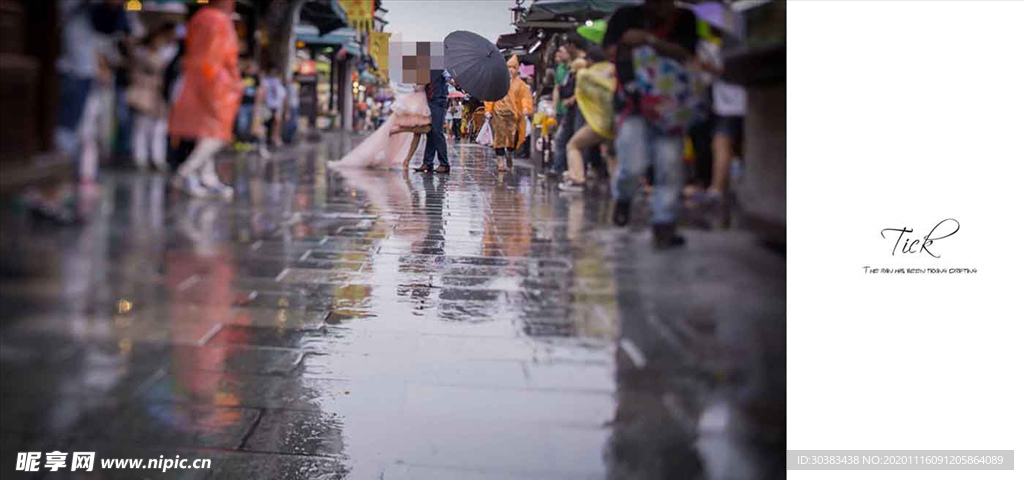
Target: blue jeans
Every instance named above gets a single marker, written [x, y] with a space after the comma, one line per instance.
[571, 121]
[639, 145]
[124, 114]
[292, 125]
[72, 96]
[243, 122]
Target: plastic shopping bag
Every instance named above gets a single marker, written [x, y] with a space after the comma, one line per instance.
[485, 137]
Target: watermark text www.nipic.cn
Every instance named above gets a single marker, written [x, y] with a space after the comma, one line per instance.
[84, 461]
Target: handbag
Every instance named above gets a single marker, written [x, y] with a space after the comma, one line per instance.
[142, 97]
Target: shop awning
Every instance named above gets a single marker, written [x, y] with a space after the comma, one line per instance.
[518, 39]
[325, 15]
[549, 9]
[344, 38]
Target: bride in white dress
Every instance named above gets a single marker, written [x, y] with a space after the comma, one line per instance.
[389, 145]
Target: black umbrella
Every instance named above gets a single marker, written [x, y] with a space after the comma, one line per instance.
[477, 65]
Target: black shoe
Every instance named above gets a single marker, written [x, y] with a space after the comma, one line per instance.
[621, 215]
[424, 169]
[665, 236]
[53, 214]
[443, 169]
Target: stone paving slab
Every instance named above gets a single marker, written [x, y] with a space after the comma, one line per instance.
[297, 433]
[157, 325]
[250, 391]
[320, 340]
[494, 449]
[284, 467]
[156, 423]
[235, 359]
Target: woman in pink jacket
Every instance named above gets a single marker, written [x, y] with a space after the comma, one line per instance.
[210, 93]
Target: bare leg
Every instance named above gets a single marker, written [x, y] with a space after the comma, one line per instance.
[412, 150]
[500, 158]
[722, 147]
[584, 138]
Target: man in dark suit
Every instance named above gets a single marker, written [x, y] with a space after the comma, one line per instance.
[437, 98]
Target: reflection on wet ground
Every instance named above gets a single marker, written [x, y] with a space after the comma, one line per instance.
[372, 324]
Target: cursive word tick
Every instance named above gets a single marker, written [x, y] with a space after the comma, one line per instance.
[921, 244]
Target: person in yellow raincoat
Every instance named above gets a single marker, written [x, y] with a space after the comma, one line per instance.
[595, 87]
[508, 116]
[210, 94]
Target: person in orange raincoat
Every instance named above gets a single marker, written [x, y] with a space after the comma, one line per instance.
[210, 94]
[508, 115]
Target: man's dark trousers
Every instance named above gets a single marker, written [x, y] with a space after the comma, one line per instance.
[437, 98]
[435, 139]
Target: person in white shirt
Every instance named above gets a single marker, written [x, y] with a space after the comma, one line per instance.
[275, 94]
[457, 120]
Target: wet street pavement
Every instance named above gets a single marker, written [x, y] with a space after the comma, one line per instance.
[382, 325]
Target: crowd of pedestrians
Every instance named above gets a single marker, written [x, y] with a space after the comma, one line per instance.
[166, 97]
[643, 107]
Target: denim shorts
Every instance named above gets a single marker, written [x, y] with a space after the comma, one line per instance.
[729, 126]
[74, 91]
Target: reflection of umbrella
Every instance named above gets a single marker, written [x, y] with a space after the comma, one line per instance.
[477, 65]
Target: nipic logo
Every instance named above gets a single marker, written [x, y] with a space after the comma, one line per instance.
[944, 229]
[55, 460]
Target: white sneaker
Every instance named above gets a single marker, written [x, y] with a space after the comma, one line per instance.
[264, 152]
[224, 191]
[214, 186]
[569, 186]
[190, 185]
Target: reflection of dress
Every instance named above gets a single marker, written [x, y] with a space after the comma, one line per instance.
[381, 149]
